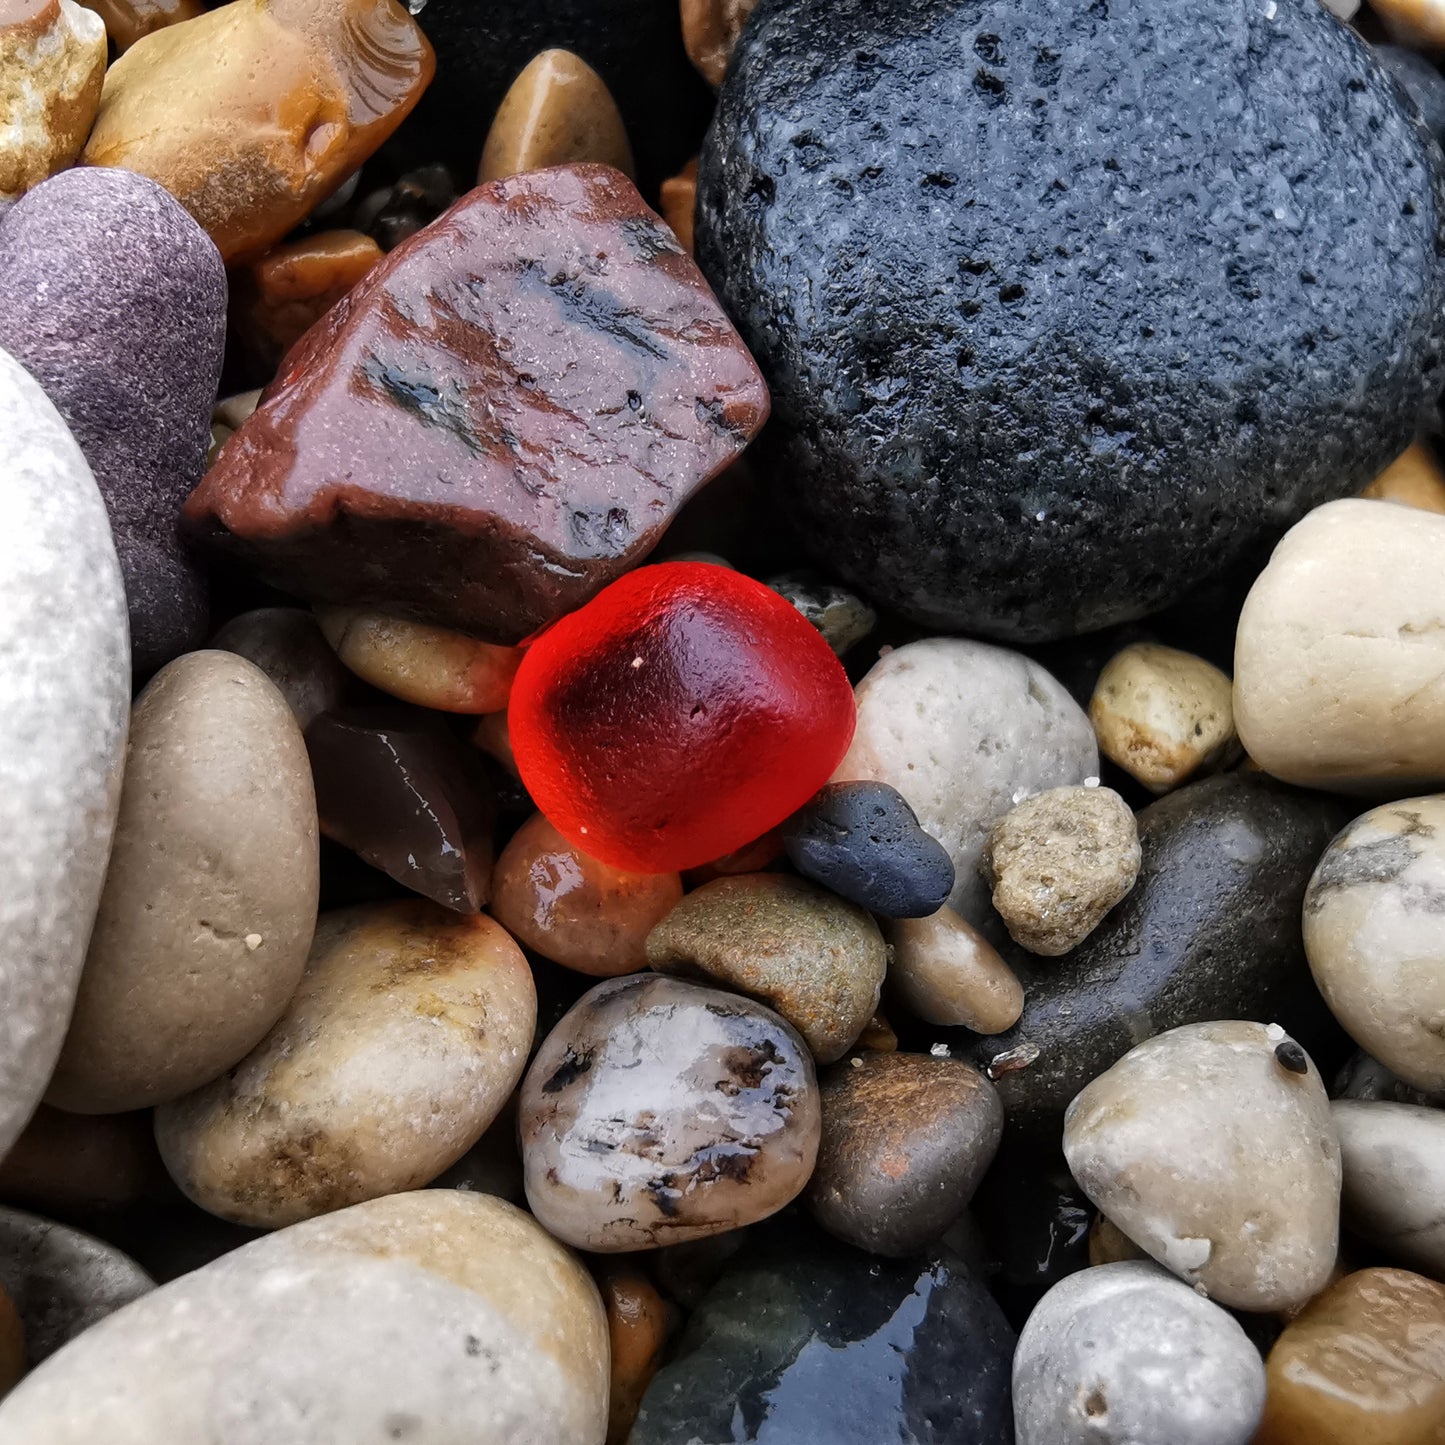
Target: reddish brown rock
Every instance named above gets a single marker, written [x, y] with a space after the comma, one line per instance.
[126, 21]
[678, 203]
[500, 419]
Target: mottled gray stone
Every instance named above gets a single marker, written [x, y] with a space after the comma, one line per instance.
[287, 644]
[114, 299]
[64, 704]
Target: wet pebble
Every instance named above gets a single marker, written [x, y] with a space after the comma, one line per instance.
[677, 205]
[946, 972]
[841, 616]
[126, 21]
[814, 957]
[906, 1138]
[710, 30]
[287, 645]
[658, 1112]
[639, 1326]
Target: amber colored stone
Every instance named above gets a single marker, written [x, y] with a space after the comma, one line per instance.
[502, 417]
[710, 30]
[574, 910]
[494, 739]
[877, 1036]
[557, 112]
[1413, 478]
[1363, 1364]
[639, 1324]
[280, 296]
[679, 203]
[12, 1345]
[752, 857]
[253, 113]
[127, 20]
[397, 788]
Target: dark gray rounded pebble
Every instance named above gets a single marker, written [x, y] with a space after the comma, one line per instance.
[1420, 79]
[864, 842]
[1211, 930]
[1066, 305]
[114, 300]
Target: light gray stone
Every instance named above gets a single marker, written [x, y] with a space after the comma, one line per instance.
[965, 732]
[64, 702]
[1126, 1353]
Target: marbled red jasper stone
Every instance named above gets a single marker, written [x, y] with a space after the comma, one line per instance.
[680, 714]
[503, 416]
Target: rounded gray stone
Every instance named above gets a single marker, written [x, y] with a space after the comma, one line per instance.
[64, 705]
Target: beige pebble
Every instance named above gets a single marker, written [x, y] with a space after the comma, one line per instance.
[1059, 862]
[429, 666]
[52, 64]
[574, 910]
[946, 972]
[432, 1318]
[1209, 1149]
[710, 30]
[1108, 1244]
[557, 112]
[1372, 931]
[405, 1039]
[1414, 479]
[814, 957]
[216, 839]
[227, 416]
[1163, 715]
[1339, 664]
[1419, 24]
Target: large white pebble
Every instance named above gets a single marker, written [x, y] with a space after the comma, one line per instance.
[1126, 1353]
[1211, 1146]
[64, 701]
[965, 731]
[433, 1318]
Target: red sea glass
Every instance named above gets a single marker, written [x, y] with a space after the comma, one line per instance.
[680, 714]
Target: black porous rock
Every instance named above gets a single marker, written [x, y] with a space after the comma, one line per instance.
[1066, 305]
[864, 842]
[1421, 80]
[1211, 930]
[114, 300]
[803, 1342]
[483, 45]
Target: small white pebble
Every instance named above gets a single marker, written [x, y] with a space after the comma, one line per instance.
[637, 662]
[253, 941]
[1091, 782]
[856, 1062]
[941, 1051]
[1274, 1033]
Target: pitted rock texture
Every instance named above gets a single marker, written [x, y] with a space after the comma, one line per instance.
[1067, 306]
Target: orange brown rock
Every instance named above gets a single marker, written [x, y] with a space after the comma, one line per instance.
[710, 30]
[639, 1323]
[12, 1344]
[126, 21]
[252, 114]
[1414, 479]
[679, 203]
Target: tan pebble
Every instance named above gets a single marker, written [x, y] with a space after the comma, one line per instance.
[12, 1344]
[557, 112]
[678, 204]
[253, 113]
[1059, 862]
[1364, 1364]
[878, 1036]
[1339, 660]
[75, 1164]
[52, 63]
[1419, 24]
[1108, 1244]
[1414, 479]
[216, 838]
[1163, 715]
[406, 1037]
[127, 20]
[639, 1324]
[574, 910]
[815, 958]
[493, 738]
[227, 415]
[944, 971]
[710, 30]
[429, 666]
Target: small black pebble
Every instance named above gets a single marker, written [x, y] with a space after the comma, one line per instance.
[1292, 1057]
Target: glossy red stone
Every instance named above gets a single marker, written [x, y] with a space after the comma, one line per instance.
[680, 714]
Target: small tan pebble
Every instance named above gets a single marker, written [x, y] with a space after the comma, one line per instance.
[1213, 1151]
[1414, 479]
[126, 21]
[449, 1316]
[945, 972]
[639, 1325]
[77, 1164]
[52, 64]
[878, 1036]
[288, 646]
[1163, 715]
[1108, 1244]
[1059, 862]
[405, 1039]
[216, 838]
[815, 958]
[574, 910]
[678, 204]
[557, 112]
[429, 666]
[1420, 24]
[710, 30]
[1340, 652]
[227, 415]
[493, 738]
[12, 1344]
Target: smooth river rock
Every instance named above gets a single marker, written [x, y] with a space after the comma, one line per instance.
[965, 731]
[1212, 1147]
[449, 1316]
[1210, 930]
[287, 644]
[210, 899]
[64, 704]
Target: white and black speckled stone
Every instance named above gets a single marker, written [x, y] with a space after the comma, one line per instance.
[64, 704]
[1063, 305]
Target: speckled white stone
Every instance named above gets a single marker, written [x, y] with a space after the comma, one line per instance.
[64, 704]
[1126, 1353]
[966, 731]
